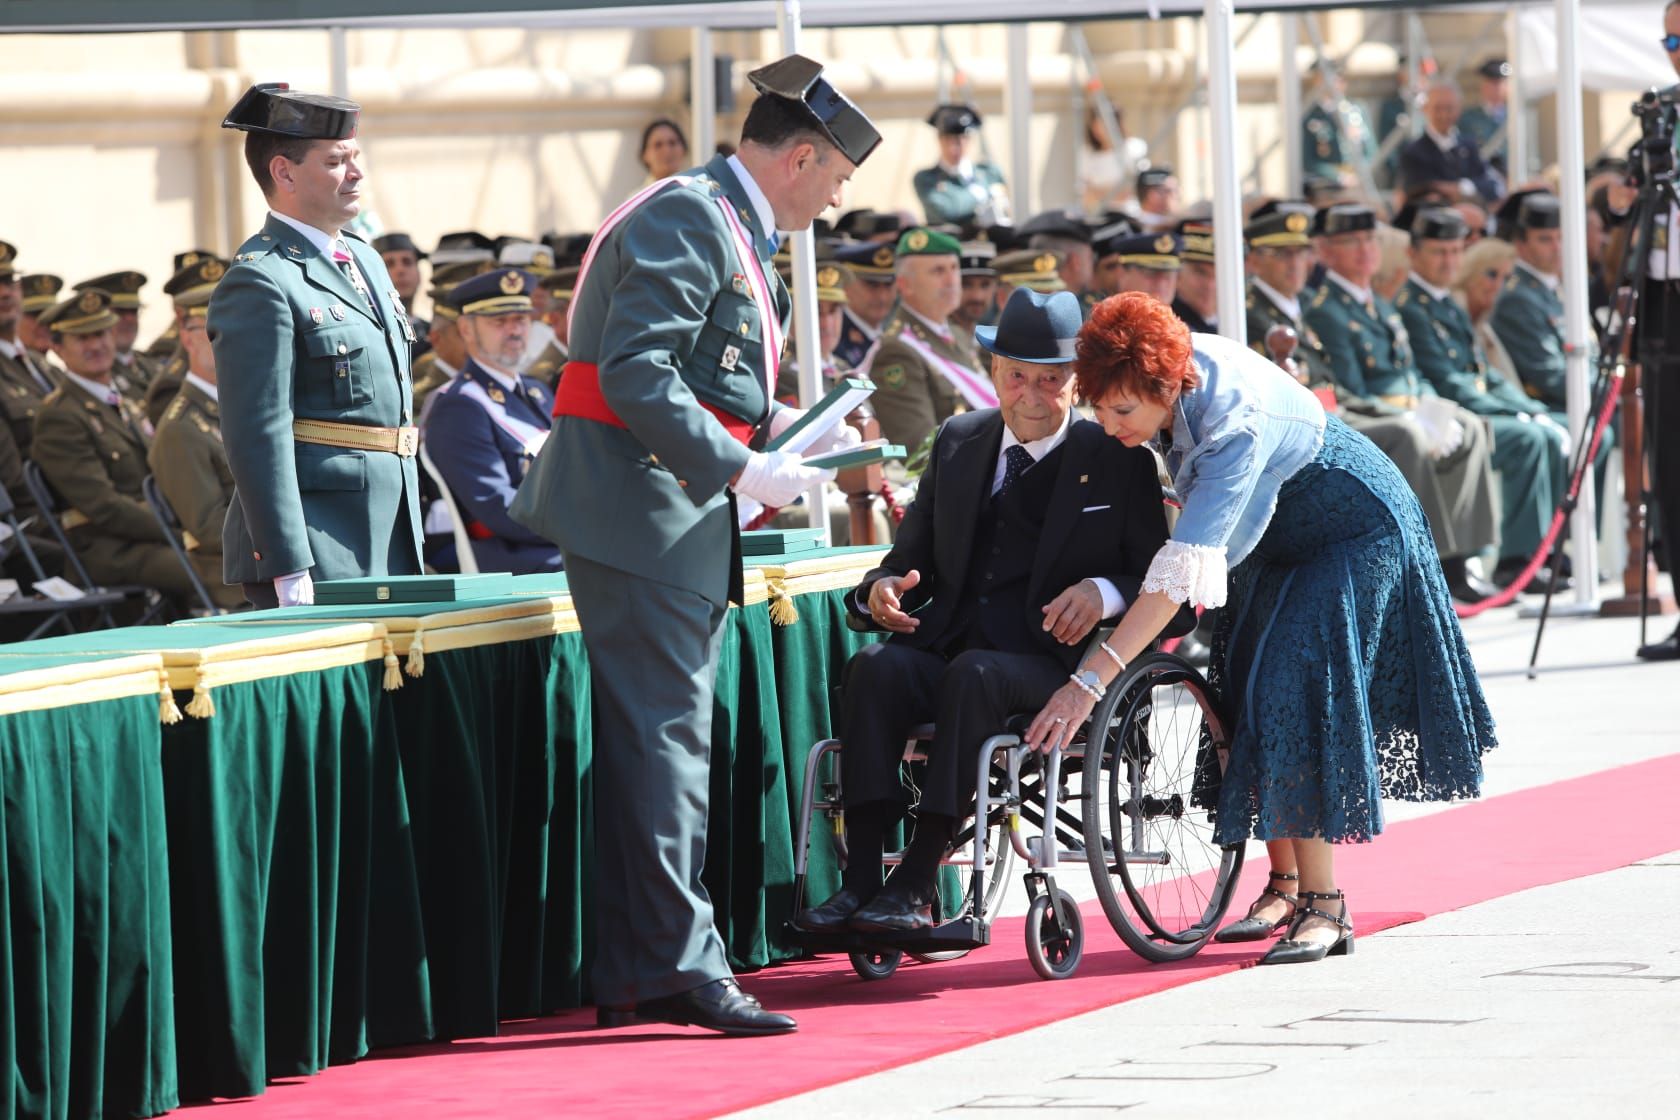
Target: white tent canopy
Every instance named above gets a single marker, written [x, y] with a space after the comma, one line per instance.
[1617, 47]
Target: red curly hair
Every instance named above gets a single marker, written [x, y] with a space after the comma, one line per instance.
[1134, 343]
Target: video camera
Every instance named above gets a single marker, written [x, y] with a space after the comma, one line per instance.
[1651, 159]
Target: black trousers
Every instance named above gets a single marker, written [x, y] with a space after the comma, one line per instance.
[890, 688]
[1660, 374]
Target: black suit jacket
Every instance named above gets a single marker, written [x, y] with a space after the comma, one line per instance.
[1423, 162]
[1105, 519]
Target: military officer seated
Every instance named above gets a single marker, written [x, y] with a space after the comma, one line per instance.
[90, 446]
[26, 378]
[402, 259]
[925, 371]
[1370, 356]
[871, 292]
[40, 292]
[1148, 263]
[1034, 269]
[1530, 449]
[1528, 315]
[131, 371]
[487, 425]
[557, 288]
[187, 457]
[1067, 237]
[1028, 529]
[1197, 300]
[959, 188]
[1445, 159]
[190, 274]
[979, 287]
[831, 306]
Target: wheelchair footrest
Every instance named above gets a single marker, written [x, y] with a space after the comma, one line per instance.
[957, 934]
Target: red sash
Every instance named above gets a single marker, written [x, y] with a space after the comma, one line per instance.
[579, 394]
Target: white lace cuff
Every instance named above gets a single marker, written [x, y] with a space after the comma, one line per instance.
[1193, 573]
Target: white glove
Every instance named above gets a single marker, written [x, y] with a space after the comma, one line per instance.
[1563, 432]
[1450, 440]
[777, 478]
[295, 590]
[837, 438]
[1445, 433]
[784, 418]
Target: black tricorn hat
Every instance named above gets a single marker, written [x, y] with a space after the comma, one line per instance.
[398, 243]
[274, 108]
[1531, 209]
[1343, 217]
[954, 119]
[1438, 223]
[797, 78]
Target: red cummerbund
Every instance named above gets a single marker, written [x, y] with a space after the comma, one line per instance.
[579, 394]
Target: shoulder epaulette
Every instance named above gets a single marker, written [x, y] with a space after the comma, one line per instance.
[55, 395]
[175, 409]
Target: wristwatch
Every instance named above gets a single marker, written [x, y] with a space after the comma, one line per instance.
[1089, 678]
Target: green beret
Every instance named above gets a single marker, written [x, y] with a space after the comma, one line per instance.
[924, 242]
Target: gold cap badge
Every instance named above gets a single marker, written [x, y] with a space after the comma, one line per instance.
[828, 277]
[1044, 263]
[1163, 244]
[91, 301]
[1296, 223]
[512, 283]
[917, 241]
[213, 269]
[883, 257]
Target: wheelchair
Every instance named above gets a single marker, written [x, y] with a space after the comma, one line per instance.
[1132, 799]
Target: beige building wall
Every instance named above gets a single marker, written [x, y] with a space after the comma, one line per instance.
[115, 158]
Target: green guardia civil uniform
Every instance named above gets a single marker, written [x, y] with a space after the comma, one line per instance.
[671, 348]
[1528, 456]
[1370, 357]
[1335, 139]
[189, 461]
[1528, 318]
[948, 198]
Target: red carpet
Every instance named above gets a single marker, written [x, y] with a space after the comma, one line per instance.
[849, 1028]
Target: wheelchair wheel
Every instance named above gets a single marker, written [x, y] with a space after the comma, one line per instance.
[1054, 950]
[876, 964]
[1162, 880]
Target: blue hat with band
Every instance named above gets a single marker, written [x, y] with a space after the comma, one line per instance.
[1037, 327]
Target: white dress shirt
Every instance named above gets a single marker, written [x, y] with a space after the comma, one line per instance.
[323, 243]
[760, 204]
[208, 388]
[99, 391]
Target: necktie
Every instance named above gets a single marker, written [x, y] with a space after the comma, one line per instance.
[1015, 463]
[774, 241]
[341, 257]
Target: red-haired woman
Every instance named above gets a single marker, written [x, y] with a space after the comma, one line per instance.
[1337, 651]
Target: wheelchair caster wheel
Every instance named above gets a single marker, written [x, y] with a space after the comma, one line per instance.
[876, 965]
[1053, 949]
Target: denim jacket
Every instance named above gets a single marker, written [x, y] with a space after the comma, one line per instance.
[1236, 437]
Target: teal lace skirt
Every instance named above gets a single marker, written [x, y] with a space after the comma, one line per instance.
[1340, 661]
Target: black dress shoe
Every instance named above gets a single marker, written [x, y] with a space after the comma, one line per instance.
[831, 916]
[1463, 586]
[719, 1006]
[894, 912]
[1666, 650]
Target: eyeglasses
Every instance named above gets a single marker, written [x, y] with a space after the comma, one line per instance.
[1671, 43]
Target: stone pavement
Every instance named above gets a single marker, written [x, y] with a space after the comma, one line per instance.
[1558, 1001]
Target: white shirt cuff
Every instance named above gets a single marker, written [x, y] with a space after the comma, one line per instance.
[1113, 602]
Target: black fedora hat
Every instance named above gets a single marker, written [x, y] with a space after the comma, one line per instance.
[1037, 327]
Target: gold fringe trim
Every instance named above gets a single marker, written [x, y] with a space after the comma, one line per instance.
[201, 706]
[393, 674]
[417, 654]
[782, 610]
[168, 710]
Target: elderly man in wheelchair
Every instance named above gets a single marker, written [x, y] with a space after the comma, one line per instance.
[1029, 528]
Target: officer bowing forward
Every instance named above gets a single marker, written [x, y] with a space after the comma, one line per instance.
[486, 427]
[313, 344]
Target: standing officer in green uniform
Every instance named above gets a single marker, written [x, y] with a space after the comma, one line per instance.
[923, 369]
[1529, 448]
[1370, 356]
[1336, 137]
[676, 334]
[132, 372]
[187, 456]
[1528, 315]
[314, 343]
[90, 446]
[26, 377]
[958, 189]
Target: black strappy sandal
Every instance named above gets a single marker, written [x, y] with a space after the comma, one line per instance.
[1291, 951]
[1258, 929]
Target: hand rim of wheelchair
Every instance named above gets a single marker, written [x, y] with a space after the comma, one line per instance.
[1147, 937]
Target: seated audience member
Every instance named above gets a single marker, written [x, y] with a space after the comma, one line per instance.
[1155, 205]
[1529, 448]
[487, 425]
[558, 286]
[402, 259]
[831, 304]
[40, 292]
[664, 149]
[871, 293]
[26, 377]
[979, 287]
[132, 371]
[1370, 357]
[923, 369]
[1032, 269]
[187, 457]
[1443, 157]
[1197, 299]
[173, 363]
[1393, 262]
[1481, 277]
[1029, 528]
[1149, 263]
[1069, 238]
[440, 365]
[90, 445]
[960, 188]
[1528, 315]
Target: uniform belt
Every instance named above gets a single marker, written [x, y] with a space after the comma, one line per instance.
[1399, 400]
[579, 394]
[404, 442]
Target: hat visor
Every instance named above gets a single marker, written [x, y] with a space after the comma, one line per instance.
[987, 339]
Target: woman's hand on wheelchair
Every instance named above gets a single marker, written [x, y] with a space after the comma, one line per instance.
[1055, 726]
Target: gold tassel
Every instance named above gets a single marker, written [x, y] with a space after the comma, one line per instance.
[782, 610]
[168, 710]
[201, 706]
[393, 673]
[416, 666]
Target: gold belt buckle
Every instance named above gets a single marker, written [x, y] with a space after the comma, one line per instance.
[408, 442]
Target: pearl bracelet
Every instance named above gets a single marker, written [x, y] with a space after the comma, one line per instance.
[1093, 693]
